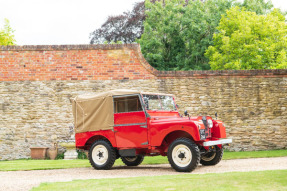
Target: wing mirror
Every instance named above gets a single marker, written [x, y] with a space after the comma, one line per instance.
[186, 114]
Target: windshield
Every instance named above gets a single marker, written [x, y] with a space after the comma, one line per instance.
[159, 102]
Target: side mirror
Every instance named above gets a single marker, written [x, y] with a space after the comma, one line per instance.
[216, 115]
[177, 106]
[185, 113]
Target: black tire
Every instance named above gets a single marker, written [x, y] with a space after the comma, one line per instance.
[133, 161]
[183, 155]
[102, 155]
[212, 158]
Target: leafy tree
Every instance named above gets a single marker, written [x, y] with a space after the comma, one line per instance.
[126, 27]
[260, 7]
[6, 34]
[249, 41]
[177, 32]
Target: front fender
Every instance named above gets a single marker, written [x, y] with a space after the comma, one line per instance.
[158, 131]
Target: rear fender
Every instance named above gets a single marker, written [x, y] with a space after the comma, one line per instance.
[84, 140]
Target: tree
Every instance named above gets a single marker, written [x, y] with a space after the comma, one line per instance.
[126, 27]
[249, 41]
[177, 32]
[260, 7]
[6, 34]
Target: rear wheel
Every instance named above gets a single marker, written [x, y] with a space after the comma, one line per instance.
[133, 161]
[212, 158]
[183, 155]
[102, 155]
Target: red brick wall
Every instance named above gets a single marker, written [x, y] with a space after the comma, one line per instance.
[94, 62]
[76, 62]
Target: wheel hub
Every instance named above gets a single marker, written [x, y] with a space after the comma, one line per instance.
[181, 155]
[100, 154]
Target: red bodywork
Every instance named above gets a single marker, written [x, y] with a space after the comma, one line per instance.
[150, 132]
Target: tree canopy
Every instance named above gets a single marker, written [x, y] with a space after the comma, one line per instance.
[177, 33]
[249, 41]
[126, 27]
[260, 7]
[6, 34]
[174, 34]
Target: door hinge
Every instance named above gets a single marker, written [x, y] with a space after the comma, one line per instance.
[145, 143]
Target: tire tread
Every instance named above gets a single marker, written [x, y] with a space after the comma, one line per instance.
[197, 153]
[112, 155]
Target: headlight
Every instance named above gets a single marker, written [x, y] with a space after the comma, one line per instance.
[210, 123]
[198, 125]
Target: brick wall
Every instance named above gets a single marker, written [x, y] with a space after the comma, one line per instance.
[36, 83]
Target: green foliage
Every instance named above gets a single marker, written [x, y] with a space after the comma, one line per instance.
[60, 156]
[260, 7]
[176, 33]
[81, 155]
[6, 34]
[249, 41]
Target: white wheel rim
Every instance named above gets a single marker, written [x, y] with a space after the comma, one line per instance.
[100, 154]
[130, 159]
[208, 158]
[181, 155]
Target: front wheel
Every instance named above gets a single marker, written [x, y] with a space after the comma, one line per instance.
[213, 157]
[183, 155]
[102, 155]
[133, 161]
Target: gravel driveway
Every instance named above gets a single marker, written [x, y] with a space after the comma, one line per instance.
[25, 180]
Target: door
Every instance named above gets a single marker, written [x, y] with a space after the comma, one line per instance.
[130, 124]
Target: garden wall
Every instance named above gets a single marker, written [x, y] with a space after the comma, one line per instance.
[37, 82]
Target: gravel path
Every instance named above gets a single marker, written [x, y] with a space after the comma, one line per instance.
[25, 180]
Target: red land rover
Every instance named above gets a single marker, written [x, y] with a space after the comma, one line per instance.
[130, 124]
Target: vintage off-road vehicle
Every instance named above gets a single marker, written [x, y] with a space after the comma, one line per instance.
[130, 124]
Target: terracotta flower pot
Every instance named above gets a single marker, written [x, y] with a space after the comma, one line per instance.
[52, 153]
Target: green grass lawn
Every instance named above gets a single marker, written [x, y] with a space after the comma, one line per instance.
[261, 180]
[61, 164]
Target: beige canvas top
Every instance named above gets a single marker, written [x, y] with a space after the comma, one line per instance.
[94, 112]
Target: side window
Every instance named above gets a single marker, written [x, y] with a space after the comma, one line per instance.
[127, 104]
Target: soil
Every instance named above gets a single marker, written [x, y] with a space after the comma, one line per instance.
[25, 180]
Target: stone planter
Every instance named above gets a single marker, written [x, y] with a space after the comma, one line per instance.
[38, 152]
[71, 152]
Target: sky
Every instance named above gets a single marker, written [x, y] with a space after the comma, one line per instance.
[59, 22]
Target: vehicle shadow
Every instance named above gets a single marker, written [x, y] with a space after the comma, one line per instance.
[144, 167]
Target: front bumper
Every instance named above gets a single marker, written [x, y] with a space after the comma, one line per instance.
[218, 142]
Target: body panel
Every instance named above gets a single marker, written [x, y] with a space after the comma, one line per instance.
[131, 130]
[82, 138]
